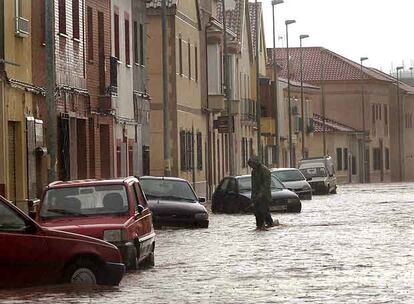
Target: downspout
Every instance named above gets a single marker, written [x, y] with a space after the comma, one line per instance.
[209, 168]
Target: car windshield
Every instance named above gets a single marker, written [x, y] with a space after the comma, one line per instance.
[170, 190]
[288, 175]
[314, 172]
[85, 201]
[245, 184]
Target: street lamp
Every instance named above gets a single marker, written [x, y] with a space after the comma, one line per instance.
[364, 167]
[399, 122]
[287, 23]
[276, 111]
[301, 37]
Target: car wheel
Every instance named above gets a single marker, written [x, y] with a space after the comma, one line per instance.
[83, 271]
[150, 259]
[132, 259]
[203, 224]
[334, 190]
[328, 189]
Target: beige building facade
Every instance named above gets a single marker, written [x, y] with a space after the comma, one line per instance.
[187, 122]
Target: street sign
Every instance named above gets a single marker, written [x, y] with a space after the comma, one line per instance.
[222, 122]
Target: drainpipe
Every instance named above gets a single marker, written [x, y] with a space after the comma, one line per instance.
[209, 167]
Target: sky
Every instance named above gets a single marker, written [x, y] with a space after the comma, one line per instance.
[382, 30]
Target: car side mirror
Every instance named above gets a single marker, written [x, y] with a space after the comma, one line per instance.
[309, 179]
[231, 192]
[31, 228]
[201, 200]
[140, 209]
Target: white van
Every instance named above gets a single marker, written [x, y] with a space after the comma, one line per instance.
[320, 173]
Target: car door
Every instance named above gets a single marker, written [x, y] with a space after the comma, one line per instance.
[143, 221]
[230, 197]
[23, 250]
[219, 196]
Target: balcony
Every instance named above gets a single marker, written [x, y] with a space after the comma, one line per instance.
[216, 103]
[105, 104]
[267, 125]
[233, 106]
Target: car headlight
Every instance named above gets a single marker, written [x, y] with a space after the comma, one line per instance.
[116, 235]
[201, 216]
[293, 201]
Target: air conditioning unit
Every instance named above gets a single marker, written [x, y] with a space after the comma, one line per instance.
[22, 27]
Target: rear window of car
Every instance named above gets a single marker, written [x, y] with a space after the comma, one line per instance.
[288, 175]
[85, 201]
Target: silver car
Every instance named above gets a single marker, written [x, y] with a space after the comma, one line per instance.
[294, 180]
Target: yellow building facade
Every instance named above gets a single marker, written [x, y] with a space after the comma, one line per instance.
[16, 103]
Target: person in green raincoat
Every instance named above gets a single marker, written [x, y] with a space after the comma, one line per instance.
[261, 192]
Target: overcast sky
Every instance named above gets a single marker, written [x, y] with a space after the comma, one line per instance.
[379, 29]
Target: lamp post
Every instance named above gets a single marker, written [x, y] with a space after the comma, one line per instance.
[399, 123]
[275, 108]
[275, 91]
[364, 167]
[287, 23]
[258, 103]
[166, 113]
[301, 37]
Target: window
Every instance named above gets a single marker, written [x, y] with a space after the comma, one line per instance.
[183, 151]
[62, 16]
[136, 57]
[141, 45]
[339, 159]
[116, 34]
[373, 114]
[127, 50]
[75, 19]
[408, 121]
[387, 158]
[377, 158]
[345, 159]
[354, 171]
[10, 221]
[90, 32]
[42, 22]
[189, 60]
[243, 152]
[386, 114]
[199, 151]
[180, 55]
[101, 50]
[196, 63]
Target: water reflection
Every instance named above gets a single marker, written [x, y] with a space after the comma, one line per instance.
[354, 247]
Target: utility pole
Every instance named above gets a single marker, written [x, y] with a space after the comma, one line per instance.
[364, 167]
[227, 92]
[400, 122]
[50, 88]
[301, 37]
[166, 113]
[323, 104]
[258, 104]
[275, 91]
[291, 158]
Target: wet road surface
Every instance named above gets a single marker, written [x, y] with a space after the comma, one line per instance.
[353, 247]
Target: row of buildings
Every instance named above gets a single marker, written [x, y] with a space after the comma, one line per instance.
[109, 103]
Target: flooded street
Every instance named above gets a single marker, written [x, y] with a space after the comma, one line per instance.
[353, 247]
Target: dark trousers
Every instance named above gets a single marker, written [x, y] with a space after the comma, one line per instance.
[262, 213]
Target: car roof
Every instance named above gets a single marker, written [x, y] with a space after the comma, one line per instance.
[92, 182]
[283, 169]
[167, 178]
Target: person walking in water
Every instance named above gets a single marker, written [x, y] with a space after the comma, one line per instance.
[261, 193]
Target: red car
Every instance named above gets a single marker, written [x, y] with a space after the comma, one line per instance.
[33, 255]
[114, 210]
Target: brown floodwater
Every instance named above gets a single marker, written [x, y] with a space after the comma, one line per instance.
[353, 247]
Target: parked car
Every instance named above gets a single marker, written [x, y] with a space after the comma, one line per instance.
[320, 171]
[173, 202]
[34, 255]
[112, 210]
[294, 180]
[233, 195]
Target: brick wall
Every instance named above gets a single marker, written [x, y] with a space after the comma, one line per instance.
[101, 154]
